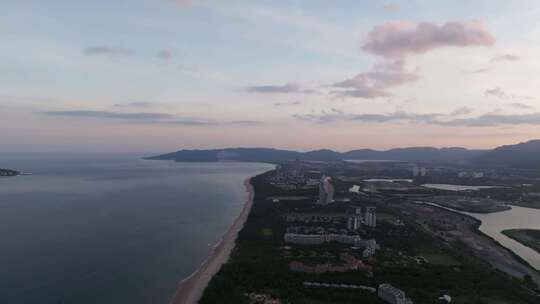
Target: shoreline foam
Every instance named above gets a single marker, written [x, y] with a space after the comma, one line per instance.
[191, 289]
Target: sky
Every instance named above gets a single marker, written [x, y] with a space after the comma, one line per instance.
[163, 75]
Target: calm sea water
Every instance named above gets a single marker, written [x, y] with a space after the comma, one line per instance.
[111, 229]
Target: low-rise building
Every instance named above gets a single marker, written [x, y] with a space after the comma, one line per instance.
[392, 295]
[316, 239]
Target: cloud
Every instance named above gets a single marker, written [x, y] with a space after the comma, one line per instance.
[138, 104]
[113, 115]
[290, 103]
[182, 1]
[480, 71]
[494, 119]
[289, 88]
[365, 92]
[500, 93]
[505, 57]
[462, 111]
[150, 118]
[107, 50]
[495, 92]
[391, 7]
[165, 55]
[335, 115]
[519, 105]
[501, 58]
[486, 120]
[188, 122]
[395, 41]
[374, 83]
[400, 38]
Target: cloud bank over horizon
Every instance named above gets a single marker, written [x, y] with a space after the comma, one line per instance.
[210, 73]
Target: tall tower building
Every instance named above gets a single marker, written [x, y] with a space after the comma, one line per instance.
[354, 218]
[322, 193]
[370, 217]
[326, 191]
[353, 222]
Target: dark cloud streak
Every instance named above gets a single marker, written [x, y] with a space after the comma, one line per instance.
[148, 118]
[107, 50]
[486, 120]
[288, 88]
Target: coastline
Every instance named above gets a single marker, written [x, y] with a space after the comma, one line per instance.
[191, 289]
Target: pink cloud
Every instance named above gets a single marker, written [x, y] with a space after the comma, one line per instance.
[374, 83]
[400, 39]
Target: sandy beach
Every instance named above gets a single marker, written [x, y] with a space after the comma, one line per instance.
[191, 289]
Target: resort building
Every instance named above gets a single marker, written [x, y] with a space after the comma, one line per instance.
[316, 239]
[392, 295]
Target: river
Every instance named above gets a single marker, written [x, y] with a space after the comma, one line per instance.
[517, 218]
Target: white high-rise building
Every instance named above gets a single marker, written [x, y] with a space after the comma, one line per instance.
[370, 217]
[326, 191]
[353, 222]
[354, 218]
[419, 171]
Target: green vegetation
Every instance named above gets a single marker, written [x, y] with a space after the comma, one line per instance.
[441, 259]
[527, 237]
[260, 262]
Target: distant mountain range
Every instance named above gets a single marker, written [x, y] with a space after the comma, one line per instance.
[524, 155]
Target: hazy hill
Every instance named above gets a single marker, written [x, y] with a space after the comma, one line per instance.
[239, 154]
[523, 155]
[426, 154]
[420, 154]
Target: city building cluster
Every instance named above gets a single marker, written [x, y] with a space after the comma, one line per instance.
[293, 176]
[356, 218]
[470, 174]
[369, 246]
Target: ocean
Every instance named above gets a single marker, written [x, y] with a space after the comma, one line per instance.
[111, 228]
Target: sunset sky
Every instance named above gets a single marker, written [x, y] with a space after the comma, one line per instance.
[162, 75]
